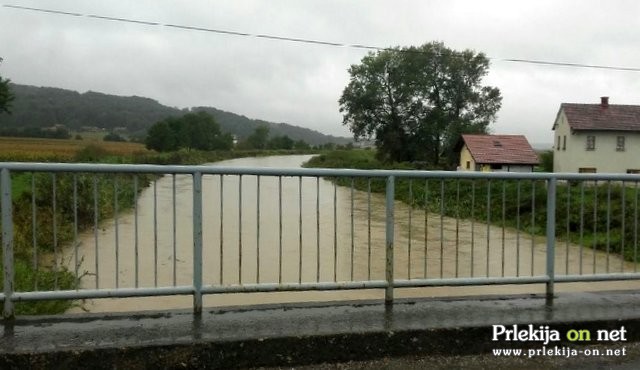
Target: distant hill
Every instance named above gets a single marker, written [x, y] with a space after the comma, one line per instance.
[39, 107]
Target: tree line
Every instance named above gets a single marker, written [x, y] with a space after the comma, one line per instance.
[200, 131]
[192, 131]
[130, 115]
[260, 139]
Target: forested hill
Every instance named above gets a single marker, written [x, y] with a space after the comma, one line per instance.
[39, 107]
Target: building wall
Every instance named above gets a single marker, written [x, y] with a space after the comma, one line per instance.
[518, 168]
[465, 156]
[570, 152]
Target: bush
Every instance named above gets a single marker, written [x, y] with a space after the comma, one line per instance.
[112, 136]
[91, 153]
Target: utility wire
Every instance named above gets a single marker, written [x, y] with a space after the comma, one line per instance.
[302, 40]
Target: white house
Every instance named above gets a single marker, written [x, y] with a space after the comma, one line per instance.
[597, 138]
[489, 153]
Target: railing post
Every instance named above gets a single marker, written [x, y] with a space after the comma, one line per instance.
[197, 243]
[551, 237]
[388, 294]
[7, 242]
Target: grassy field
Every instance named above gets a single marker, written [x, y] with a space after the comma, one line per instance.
[49, 150]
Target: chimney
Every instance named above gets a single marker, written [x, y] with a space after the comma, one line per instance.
[604, 101]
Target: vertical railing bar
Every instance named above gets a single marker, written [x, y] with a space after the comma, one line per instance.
[34, 230]
[389, 236]
[426, 226]
[353, 244]
[240, 229]
[175, 230]
[623, 189]
[95, 229]
[409, 232]
[300, 230]
[504, 221]
[317, 229]
[75, 231]
[335, 230]
[369, 228]
[488, 223]
[441, 228]
[7, 244]
[56, 266]
[136, 245]
[635, 231]
[533, 225]
[197, 243]
[457, 226]
[221, 229]
[581, 224]
[608, 222]
[566, 259]
[595, 223]
[551, 235]
[280, 229]
[258, 229]
[518, 183]
[115, 224]
[473, 223]
[155, 233]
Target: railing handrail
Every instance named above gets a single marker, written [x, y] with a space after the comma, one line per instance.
[308, 172]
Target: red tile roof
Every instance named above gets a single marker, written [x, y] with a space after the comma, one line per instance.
[599, 117]
[500, 149]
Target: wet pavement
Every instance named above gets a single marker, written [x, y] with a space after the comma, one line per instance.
[351, 334]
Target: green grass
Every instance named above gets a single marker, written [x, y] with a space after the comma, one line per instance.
[606, 225]
[26, 278]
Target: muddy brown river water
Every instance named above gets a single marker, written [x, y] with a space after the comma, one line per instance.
[314, 246]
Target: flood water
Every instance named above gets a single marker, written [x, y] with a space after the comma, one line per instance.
[292, 230]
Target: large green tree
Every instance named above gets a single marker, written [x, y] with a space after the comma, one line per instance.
[6, 97]
[416, 101]
[259, 138]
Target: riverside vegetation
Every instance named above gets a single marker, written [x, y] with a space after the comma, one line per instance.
[37, 268]
[602, 216]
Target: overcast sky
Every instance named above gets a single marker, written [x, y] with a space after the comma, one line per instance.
[297, 83]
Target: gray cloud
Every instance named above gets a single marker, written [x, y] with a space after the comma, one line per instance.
[301, 83]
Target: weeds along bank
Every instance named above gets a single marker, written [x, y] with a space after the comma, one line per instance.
[602, 216]
[49, 210]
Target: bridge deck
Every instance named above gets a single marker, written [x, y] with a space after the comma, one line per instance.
[304, 333]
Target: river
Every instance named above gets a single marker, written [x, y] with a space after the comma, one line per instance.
[284, 232]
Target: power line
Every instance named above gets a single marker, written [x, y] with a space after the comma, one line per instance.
[303, 40]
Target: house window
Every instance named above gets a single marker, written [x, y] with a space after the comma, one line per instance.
[633, 171]
[586, 170]
[558, 145]
[591, 142]
[620, 144]
[564, 142]
[468, 165]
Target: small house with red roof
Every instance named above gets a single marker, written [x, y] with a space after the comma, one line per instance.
[489, 153]
[591, 138]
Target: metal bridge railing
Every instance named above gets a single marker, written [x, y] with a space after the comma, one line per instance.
[105, 231]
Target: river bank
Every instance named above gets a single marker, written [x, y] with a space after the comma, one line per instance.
[602, 216]
[44, 222]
